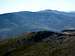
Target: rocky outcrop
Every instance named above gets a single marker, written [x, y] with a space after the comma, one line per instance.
[28, 39]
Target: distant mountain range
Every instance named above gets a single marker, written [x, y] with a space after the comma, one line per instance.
[25, 21]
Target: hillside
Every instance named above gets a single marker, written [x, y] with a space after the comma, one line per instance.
[15, 23]
[41, 43]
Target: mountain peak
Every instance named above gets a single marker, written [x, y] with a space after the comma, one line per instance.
[50, 11]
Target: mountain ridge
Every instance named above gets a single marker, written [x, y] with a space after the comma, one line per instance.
[19, 22]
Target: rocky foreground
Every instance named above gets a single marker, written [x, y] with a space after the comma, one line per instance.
[42, 43]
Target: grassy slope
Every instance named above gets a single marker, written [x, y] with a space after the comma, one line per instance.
[49, 48]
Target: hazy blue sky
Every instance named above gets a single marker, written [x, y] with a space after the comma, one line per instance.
[36, 5]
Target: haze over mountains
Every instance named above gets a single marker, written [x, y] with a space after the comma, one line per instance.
[26, 21]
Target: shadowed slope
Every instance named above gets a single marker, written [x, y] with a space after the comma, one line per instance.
[42, 43]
